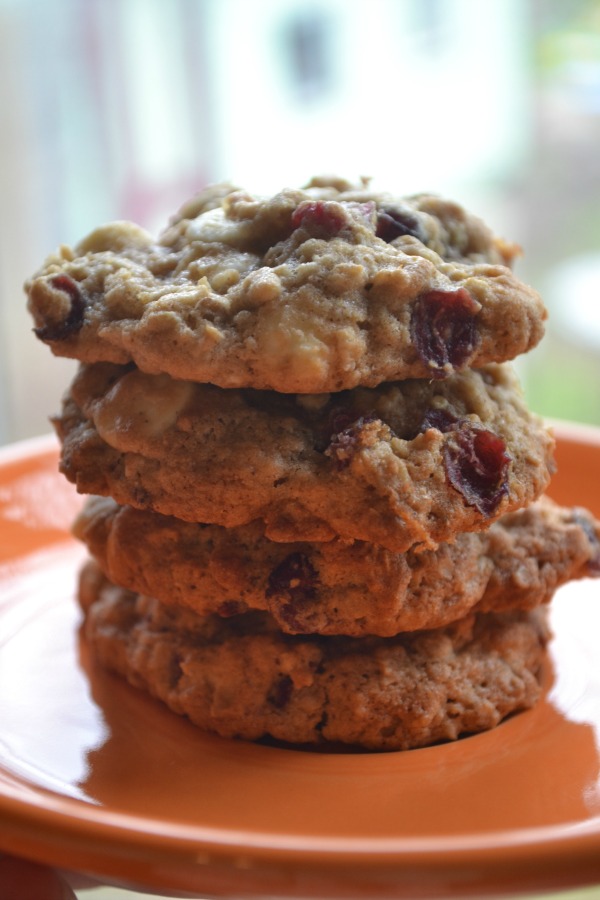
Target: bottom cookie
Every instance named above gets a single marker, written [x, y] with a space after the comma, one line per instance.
[240, 677]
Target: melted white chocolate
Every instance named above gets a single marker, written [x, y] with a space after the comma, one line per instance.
[139, 407]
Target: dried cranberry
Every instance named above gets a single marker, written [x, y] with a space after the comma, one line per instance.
[345, 440]
[443, 329]
[319, 217]
[336, 420]
[281, 691]
[442, 419]
[295, 578]
[393, 223]
[340, 418]
[476, 464]
[73, 321]
[291, 585]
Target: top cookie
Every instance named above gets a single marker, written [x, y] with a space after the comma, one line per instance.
[310, 291]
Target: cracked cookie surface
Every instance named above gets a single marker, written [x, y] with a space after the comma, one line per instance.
[405, 464]
[340, 587]
[242, 678]
[314, 290]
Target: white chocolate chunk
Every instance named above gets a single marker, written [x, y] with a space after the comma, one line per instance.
[139, 407]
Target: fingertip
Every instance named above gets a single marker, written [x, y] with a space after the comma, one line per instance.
[30, 881]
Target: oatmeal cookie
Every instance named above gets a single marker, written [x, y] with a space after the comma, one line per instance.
[241, 678]
[310, 291]
[341, 587]
[408, 463]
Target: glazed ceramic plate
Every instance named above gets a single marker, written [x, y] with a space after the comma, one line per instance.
[98, 777]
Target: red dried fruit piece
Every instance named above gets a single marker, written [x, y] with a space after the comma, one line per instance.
[476, 464]
[346, 439]
[295, 581]
[320, 217]
[442, 328]
[295, 578]
[281, 691]
[58, 331]
[341, 418]
[393, 223]
[442, 419]
[336, 420]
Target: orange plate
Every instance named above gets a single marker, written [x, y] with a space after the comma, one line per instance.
[98, 777]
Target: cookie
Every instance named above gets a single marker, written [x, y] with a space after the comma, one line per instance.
[242, 678]
[408, 463]
[339, 587]
[310, 291]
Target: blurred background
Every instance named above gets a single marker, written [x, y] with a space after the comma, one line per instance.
[123, 108]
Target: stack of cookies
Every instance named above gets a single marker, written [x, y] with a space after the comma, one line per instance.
[316, 509]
